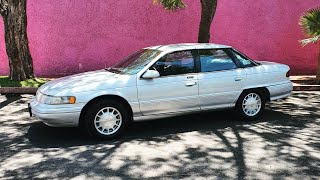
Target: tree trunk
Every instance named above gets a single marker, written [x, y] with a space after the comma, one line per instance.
[208, 9]
[318, 68]
[15, 24]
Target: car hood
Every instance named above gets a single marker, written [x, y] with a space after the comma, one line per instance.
[89, 81]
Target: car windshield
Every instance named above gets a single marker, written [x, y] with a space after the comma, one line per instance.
[134, 62]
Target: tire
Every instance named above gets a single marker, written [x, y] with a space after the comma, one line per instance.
[106, 119]
[254, 109]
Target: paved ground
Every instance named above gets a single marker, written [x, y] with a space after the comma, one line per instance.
[285, 144]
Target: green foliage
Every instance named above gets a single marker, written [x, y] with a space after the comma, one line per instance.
[310, 24]
[310, 40]
[35, 82]
[171, 5]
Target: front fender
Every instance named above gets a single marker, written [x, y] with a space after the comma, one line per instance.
[127, 93]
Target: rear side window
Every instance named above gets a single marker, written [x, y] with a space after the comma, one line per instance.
[244, 61]
[215, 60]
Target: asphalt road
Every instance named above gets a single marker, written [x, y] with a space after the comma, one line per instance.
[284, 144]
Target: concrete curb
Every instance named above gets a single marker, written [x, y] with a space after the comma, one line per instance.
[299, 87]
[301, 83]
[301, 78]
[18, 90]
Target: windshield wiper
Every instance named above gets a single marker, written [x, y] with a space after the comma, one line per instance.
[113, 70]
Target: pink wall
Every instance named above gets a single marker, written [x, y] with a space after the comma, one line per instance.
[70, 36]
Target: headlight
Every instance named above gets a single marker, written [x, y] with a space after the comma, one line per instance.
[59, 100]
[46, 99]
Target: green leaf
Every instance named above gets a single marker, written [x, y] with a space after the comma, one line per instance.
[310, 40]
[310, 25]
[35, 82]
[171, 5]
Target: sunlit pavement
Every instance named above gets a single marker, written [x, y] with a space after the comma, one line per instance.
[284, 144]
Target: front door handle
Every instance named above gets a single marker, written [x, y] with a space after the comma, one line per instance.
[238, 79]
[191, 83]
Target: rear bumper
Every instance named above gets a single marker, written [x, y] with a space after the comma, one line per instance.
[280, 91]
[55, 116]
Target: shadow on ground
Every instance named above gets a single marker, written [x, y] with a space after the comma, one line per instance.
[9, 99]
[43, 136]
[284, 144]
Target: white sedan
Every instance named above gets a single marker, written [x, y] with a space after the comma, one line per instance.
[161, 81]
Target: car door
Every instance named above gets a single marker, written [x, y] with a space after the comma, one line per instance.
[220, 79]
[176, 90]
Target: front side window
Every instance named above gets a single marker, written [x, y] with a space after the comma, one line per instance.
[215, 60]
[175, 63]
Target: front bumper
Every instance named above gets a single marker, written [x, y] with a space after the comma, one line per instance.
[56, 115]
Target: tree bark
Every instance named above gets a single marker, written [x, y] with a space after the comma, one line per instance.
[208, 9]
[318, 68]
[15, 24]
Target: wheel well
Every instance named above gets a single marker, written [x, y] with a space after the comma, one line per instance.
[100, 98]
[263, 90]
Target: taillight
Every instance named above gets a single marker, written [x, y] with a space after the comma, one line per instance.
[288, 74]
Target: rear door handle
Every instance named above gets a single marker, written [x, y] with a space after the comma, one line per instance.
[238, 79]
[191, 83]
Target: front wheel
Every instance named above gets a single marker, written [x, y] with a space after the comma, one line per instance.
[250, 105]
[106, 119]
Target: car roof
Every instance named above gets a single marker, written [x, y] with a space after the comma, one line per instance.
[187, 46]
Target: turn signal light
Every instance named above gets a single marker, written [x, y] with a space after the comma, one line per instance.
[72, 100]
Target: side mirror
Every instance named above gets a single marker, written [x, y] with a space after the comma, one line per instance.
[150, 74]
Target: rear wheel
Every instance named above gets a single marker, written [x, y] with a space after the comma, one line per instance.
[106, 119]
[251, 104]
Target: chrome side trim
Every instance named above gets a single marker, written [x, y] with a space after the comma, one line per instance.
[161, 116]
